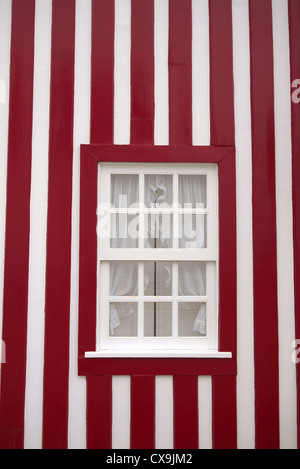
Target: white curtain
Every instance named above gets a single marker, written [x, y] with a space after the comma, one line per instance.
[123, 282]
[191, 275]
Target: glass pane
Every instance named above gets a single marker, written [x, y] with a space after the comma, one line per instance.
[192, 191]
[158, 319]
[191, 319]
[158, 190]
[192, 278]
[159, 231]
[193, 231]
[124, 190]
[124, 230]
[123, 319]
[158, 278]
[123, 278]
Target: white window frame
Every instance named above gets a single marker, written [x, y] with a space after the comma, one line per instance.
[160, 346]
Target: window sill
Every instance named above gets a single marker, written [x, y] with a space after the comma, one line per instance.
[158, 354]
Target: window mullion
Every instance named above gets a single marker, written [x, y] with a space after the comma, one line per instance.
[175, 214]
[140, 300]
[141, 212]
[175, 300]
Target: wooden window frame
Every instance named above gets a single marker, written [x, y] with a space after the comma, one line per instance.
[91, 156]
[173, 345]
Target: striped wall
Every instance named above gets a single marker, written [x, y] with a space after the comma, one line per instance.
[194, 72]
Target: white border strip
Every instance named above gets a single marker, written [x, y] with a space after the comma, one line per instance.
[161, 89]
[38, 227]
[284, 204]
[200, 72]
[164, 427]
[5, 39]
[245, 336]
[82, 92]
[122, 93]
[121, 395]
[205, 412]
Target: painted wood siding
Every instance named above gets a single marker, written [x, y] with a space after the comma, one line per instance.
[156, 72]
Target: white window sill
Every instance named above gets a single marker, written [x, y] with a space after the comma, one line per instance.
[158, 354]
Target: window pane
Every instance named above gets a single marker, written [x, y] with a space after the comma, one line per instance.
[191, 319]
[123, 319]
[193, 231]
[192, 278]
[158, 278]
[123, 278]
[158, 231]
[192, 191]
[124, 230]
[124, 190]
[158, 189]
[158, 319]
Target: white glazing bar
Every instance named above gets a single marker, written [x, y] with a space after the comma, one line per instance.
[140, 299]
[175, 302]
[141, 214]
[160, 253]
[175, 216]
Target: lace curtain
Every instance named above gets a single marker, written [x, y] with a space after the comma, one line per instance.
[191, 275]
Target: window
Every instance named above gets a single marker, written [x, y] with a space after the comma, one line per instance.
[157, 259]
[157, 337]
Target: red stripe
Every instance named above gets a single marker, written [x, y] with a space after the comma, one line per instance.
[142, 71]
[223, 133]
[227, 257]
[17, 225]
[57, 309]
[99, 403]
[142, 422]
[87, 254]
[264, 227]
[221, 73]
[102, 131]
[185, 389]
[224, 420]
[294, 15]
[180, 72]
[142, 132]
[102, 85]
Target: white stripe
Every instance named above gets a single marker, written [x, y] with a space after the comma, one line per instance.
[122, 71]
[287, 369]
[205, 412]
[245, 378]
[82, 90]
[200, 72]
[121, 384]
[5, 35]
[161, 88]
[164, 412]
[38, 227]
[121, 412]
